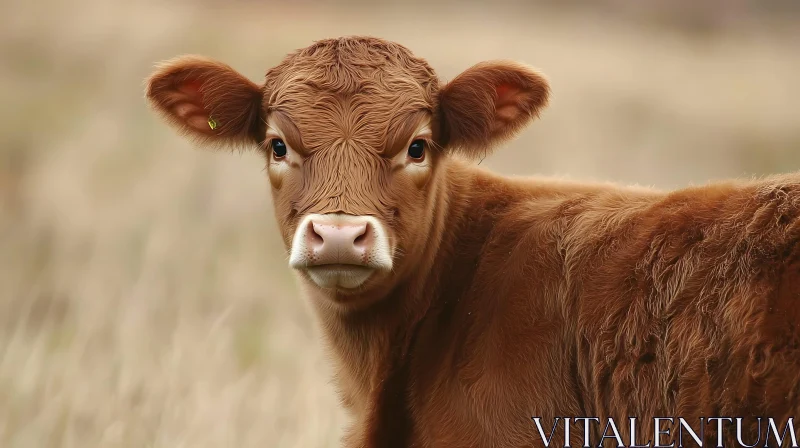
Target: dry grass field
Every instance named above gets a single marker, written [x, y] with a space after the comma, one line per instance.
[145, 298]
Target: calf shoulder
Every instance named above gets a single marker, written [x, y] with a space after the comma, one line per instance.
[614, 302]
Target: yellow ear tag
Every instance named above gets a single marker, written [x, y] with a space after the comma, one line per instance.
[212, 124]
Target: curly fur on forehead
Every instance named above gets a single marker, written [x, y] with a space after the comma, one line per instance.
[352, 89]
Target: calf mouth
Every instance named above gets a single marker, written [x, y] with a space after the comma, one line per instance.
[339, 275]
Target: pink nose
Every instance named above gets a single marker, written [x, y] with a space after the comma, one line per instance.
[339, 242]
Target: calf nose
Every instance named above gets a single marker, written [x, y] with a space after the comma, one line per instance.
[339, 242]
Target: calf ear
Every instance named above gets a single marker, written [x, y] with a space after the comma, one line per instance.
[206, 100]
[489, 104]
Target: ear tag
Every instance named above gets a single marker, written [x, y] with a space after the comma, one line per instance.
[212, 124]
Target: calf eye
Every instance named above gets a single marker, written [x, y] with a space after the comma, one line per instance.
[278, 148]
[417, 149]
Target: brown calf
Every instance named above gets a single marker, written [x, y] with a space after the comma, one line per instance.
[460, 304]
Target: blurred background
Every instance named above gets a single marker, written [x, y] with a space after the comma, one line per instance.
[145, 299]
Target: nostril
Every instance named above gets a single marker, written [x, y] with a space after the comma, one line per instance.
[333, 236]
[363, 235]
[313, 236]
[365, 238]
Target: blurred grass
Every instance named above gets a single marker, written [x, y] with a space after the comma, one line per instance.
[145, 299]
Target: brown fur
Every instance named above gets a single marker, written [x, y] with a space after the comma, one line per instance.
[511, 298]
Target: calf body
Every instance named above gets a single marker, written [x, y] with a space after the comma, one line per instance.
[554, 299]
[459, 304]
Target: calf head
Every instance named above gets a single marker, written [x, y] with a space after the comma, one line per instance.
[355, 131]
